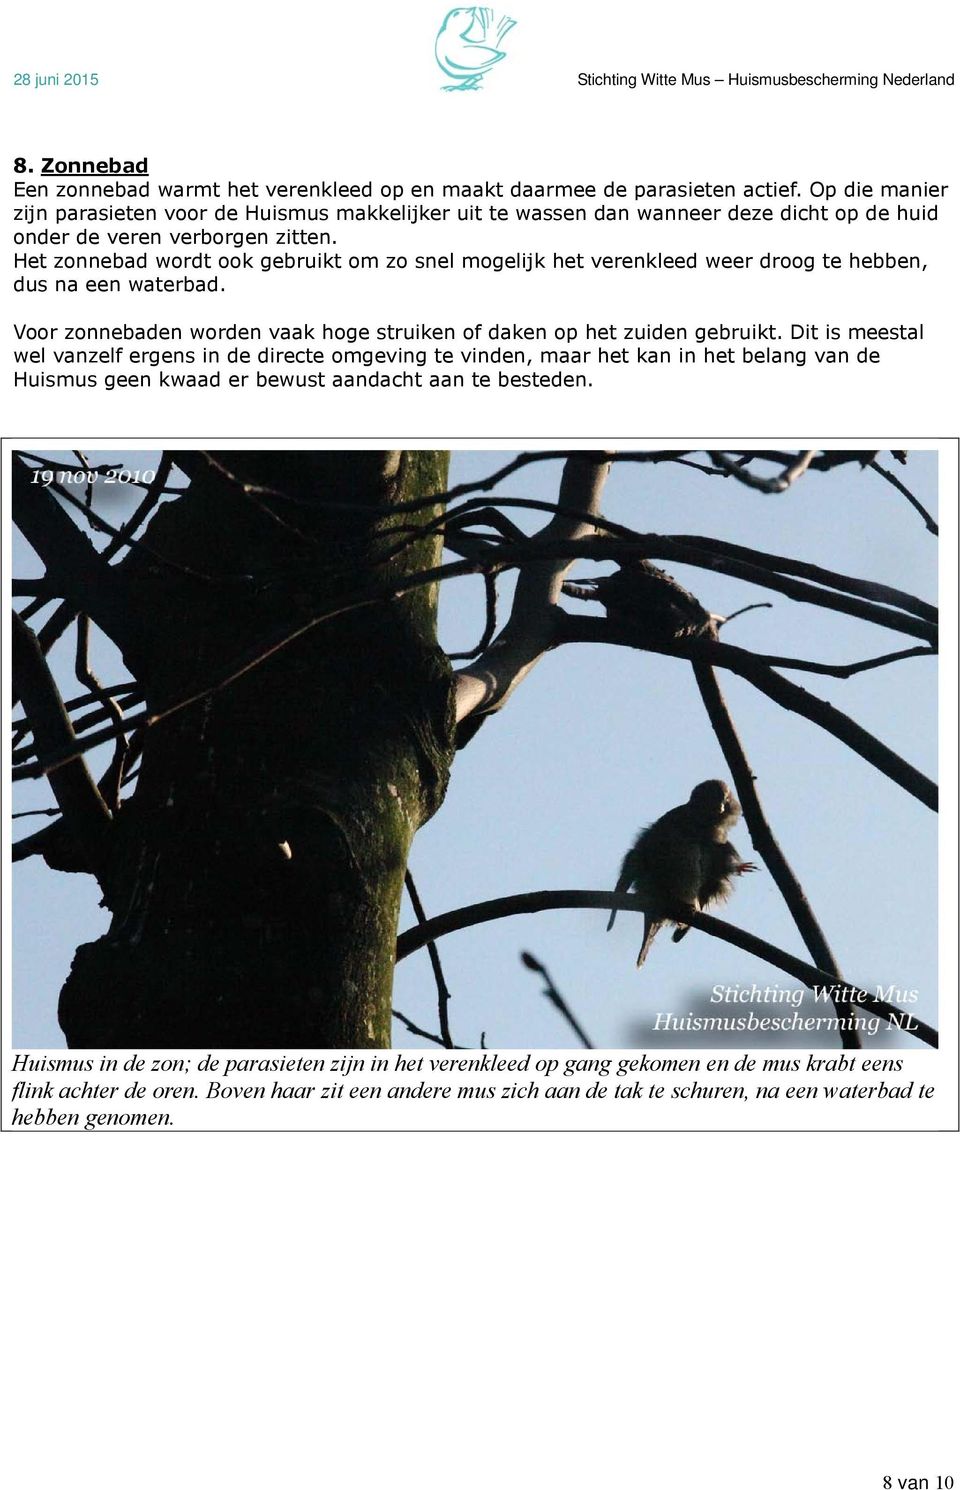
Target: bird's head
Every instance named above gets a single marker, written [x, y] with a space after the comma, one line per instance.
[714, 802]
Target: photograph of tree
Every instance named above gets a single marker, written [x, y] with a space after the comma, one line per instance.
[350, 748]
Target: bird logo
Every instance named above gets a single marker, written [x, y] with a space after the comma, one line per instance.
[468, 45]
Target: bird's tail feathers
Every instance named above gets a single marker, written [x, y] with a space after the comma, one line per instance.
[503, 26]
[651, 925]
[623, 884]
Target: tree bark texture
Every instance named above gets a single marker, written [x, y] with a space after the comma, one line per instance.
[255, 876]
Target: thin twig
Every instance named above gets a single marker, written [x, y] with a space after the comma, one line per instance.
[757, 605]
[424, 1034]
[843, 669]
[255, 496]
[490, 626]
[114, 689]
[443, 992]
[552, 993]
[931, 526]
[85, 467]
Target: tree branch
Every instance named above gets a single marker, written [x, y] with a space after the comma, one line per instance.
[686, 548]
[868, 600]
[85, 674]
[485, 685]
[84, 811]
[72, 562]
[762, 836]
[562, 627]
[552, 900]
[771, 484]
[791, 696]
[784, 692]
[53, 629]
[827, 461]
[867, 589]
[34, 843]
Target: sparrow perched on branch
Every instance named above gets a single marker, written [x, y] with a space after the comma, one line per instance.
[642, 596]
[684, 860]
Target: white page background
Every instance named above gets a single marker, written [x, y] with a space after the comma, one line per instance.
[678, 1311]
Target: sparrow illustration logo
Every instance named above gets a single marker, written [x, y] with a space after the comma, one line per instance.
[468, 45]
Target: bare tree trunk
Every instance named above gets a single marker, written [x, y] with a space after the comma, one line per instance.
[255, 876]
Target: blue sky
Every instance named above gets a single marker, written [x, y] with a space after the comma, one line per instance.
[599, 741]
